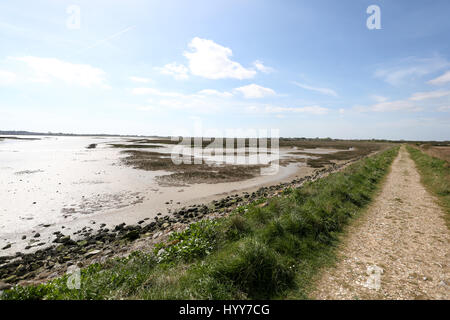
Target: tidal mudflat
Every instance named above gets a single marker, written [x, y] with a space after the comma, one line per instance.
[64, 183]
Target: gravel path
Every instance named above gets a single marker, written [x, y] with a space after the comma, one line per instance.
[399, 249]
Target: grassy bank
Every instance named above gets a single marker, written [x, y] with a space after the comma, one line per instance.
[270, 249]
[435, 175]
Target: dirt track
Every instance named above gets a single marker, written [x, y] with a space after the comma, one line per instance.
[399, 249]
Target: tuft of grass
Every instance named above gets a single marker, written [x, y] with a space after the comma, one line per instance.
[197, 241]
[435, 175]
[269, 249]
[255, 269]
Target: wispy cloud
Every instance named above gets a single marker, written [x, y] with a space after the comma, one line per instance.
[390, 106]
[419, 96]
[46, 70]
[178, 71]
[325, 91]
[410, 69]
[445, 78]
[407, 105]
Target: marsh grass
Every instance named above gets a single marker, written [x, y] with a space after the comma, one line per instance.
[258, 252]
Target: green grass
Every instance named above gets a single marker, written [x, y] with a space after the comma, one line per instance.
[258, 252]
[435, 175]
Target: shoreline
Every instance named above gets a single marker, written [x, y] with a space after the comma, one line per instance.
[167, 203]
[92, 246]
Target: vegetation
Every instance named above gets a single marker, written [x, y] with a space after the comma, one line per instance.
[269, 249]
[435, 175]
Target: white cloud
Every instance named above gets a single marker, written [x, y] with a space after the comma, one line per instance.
[140, 79]
[445, 78]
[261, 67]
[419, 96]
[254, 91]
[50, 69]
[444, 109]
[212, 61]
[7, 77]
[325, 91]
[410, 69]
[178, 71]
[212, 92]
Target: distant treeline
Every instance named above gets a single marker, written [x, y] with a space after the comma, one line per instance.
[29, 133]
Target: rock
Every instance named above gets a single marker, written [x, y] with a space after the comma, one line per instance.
[132, 235]
[119, 227]
[7, 246]
[24, 237]
[156, 235]
[92, 253]
[82, 243]
[11, 278]
[37, 235]
[66, 240]
[165, 225]
[5, 286]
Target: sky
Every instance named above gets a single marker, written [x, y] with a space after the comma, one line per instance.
[222, 68]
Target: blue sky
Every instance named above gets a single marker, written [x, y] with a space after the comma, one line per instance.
[307, 68]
